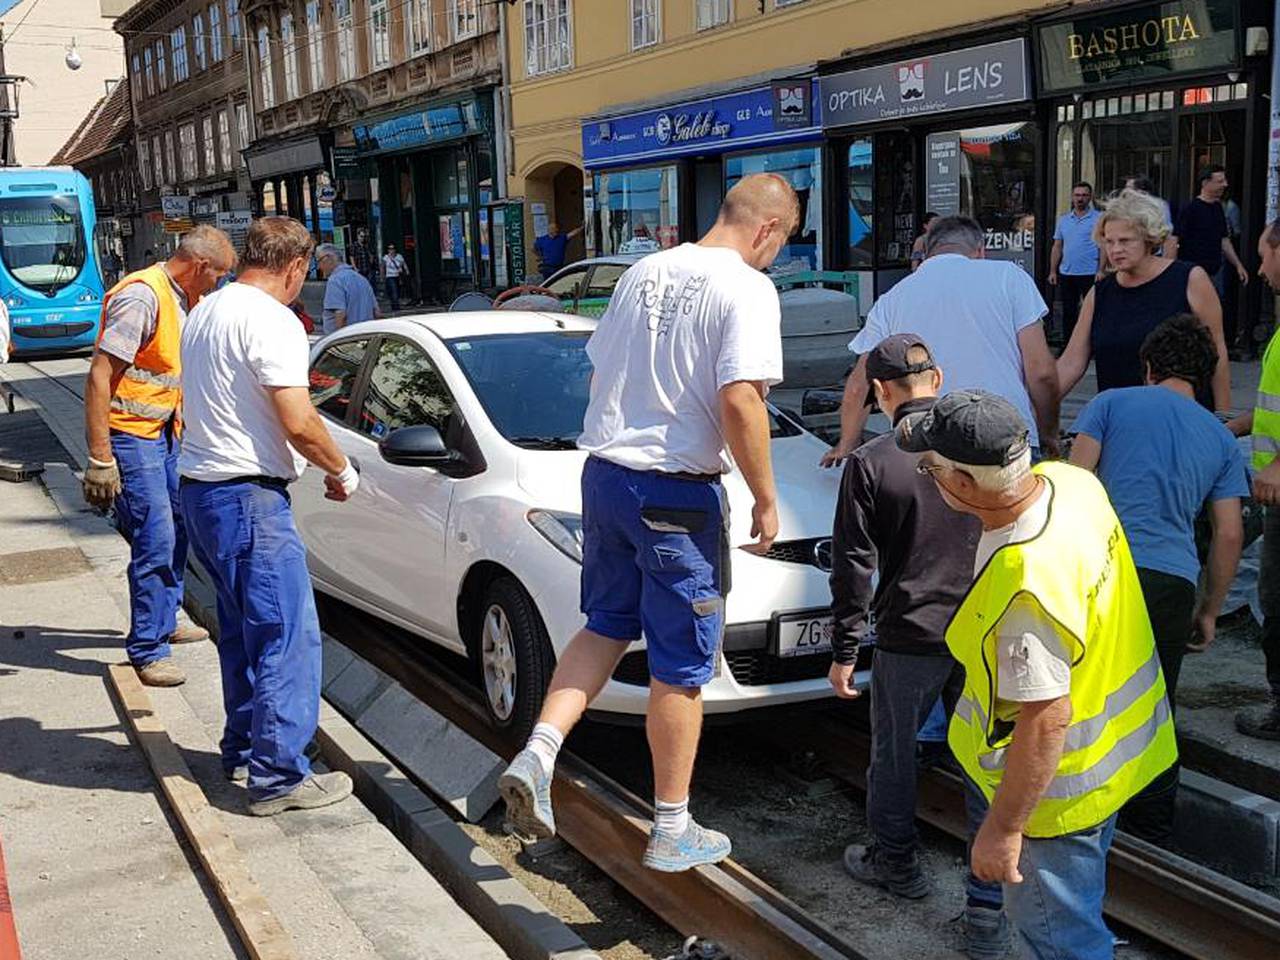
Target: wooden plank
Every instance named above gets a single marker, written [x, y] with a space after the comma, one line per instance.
[261, 932]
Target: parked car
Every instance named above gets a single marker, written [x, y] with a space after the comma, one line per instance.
[467, 531]
[817, 322]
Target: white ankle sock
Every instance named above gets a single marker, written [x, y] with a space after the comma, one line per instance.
[545, 742]
[671, 818]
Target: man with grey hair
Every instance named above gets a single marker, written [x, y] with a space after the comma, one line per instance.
[981, 319]
[1064, 716]
[132, 407]
[348, 296]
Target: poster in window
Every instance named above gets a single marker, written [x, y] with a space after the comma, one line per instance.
[447, 251]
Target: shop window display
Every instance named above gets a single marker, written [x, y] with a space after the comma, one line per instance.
[802, 168]
[637, 211]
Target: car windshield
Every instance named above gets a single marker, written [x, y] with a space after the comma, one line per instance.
[535, 386]
[42, 240]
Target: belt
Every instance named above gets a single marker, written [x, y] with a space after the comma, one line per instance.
[274, 483]
[676, 474]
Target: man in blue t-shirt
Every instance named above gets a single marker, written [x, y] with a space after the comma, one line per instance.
[1161, 456]
[551, 248]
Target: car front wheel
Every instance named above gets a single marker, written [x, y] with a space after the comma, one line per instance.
[516, 660]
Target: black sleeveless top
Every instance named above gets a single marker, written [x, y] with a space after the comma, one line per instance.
[1123, 316]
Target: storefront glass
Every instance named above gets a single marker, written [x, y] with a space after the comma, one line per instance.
[862, 208]
[637, 211]
[802, 168]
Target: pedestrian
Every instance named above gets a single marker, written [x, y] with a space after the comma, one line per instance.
[552, 247]
[1143, 184]
[348, 295]
[1264, 425]
[363, 257]
[133, 425]
[1200, 233]
[683, 357]
[1073, 262]
[891, 519]
[247, 409]
[1053, 636]
[981, 319]
[1161, 456]
[1144, 291]
[917, 247]
[393, 267]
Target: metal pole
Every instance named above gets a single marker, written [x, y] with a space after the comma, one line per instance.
[1273, 150]
[8, 158]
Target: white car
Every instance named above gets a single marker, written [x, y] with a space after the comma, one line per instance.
[466, 529]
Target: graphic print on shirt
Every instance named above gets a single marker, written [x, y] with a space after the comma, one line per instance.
[661, 308]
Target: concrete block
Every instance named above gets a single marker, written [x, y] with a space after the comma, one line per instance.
[19, 472]
[1228, 828]
[335, 659]
[458, 769]
[352, 690]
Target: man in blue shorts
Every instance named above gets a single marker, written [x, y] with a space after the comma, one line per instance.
[683, 357]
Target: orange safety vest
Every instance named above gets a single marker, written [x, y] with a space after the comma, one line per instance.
[149, 394]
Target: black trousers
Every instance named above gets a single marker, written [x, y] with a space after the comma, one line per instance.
[1072, 289]
[1269, 596]
[1171, 603]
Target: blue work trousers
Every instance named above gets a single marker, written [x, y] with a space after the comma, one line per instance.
[269, 642]
[149, 518]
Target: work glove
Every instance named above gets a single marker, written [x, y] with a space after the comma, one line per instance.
[101, 482]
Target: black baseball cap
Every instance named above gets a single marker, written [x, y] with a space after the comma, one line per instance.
[967, 426]
[888, 360]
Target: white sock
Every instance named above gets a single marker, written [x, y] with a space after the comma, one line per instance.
[671, 818]
[545, 742]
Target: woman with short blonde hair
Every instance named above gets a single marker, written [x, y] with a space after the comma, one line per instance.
[1143, 292]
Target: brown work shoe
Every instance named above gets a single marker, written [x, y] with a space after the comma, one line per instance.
[189, 633]
[318, 790]
[162, 673]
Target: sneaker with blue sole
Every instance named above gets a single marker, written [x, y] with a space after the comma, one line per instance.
[527, 792]
[696, 846]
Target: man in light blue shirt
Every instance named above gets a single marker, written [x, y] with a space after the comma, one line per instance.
[1074, 262]
[348, 296]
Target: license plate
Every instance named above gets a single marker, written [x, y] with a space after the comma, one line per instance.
[799, 636]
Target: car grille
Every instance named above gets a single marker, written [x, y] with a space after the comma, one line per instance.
[751, 668]
[814, 552]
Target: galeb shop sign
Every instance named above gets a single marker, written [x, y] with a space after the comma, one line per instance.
[1143, 43]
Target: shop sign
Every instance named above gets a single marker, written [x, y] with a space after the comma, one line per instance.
[204, 209]
[348, 165]
[984, 76]
[235, 224]
[176, 211]
[700, 126]
[1139, 44]
[515, 242]
[421, 128]
[293, 157]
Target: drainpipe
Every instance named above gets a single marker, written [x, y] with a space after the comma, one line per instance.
[504, 144]
[1273, 148]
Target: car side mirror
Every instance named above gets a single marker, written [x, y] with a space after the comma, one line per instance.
[420, 446]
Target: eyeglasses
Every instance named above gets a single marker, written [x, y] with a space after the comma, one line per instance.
[928, 469]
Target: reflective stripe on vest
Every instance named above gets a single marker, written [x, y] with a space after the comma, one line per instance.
[1269, 402]
[139, 375]
[139, 408]
[1132, 745]
[1266, 410]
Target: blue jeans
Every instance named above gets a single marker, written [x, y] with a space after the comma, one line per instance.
[393, 292]
[269, 643]
[1057, 909]
[148, 517]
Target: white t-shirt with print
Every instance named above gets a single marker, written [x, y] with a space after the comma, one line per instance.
[680, 325]
[1033, 659]
[236, 344]
[969, 312]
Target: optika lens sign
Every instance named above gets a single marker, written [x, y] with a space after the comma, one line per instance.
[1144, 43]
[956, 80]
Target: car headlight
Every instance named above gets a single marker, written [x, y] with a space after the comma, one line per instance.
[86, 297]
[13, 300]
[562, 530]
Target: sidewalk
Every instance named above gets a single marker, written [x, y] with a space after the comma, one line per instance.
[96, 863]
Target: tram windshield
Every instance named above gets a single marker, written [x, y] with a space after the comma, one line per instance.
[42, 240]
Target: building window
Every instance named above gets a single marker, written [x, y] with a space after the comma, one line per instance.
[210, 148]
[315, 46]
[148, 72]
[162, 71]
[197, 42]
[802, 168]
[144, 164]
[418, 14]
[187, 143]
[786, 3]
[266, 80]
[135, 76]
[547, 36]
[645, 28]
[157, 158]
[234, 25]
[346, 39]
[711, 13]
[379, 33]
[224, 139]
[171, 168]
[178, 44]
[215, 32]
[637, 211]
[464, 19]
[242, 127]
[289, 50]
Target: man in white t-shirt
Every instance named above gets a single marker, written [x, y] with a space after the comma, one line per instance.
[250, 430]
[683, 358]
[981, 319]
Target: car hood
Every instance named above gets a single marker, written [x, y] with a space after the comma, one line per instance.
[806, 492]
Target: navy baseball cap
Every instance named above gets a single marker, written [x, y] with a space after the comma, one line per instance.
[888, 360]
[967, 426]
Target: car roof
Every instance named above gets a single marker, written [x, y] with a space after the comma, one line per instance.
[622, 259]
[456, 326]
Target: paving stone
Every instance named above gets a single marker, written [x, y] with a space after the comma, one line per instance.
[1226, 827]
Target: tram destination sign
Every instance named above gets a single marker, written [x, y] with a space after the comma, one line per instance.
[1139, 44]
[984, 76]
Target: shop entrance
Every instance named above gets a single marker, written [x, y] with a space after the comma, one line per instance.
[553, 194]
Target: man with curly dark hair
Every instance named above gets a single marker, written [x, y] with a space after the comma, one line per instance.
[1161, 457]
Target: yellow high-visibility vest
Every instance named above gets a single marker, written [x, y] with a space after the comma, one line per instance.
[149, 394]
[1080, 573]
[1266, 411]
